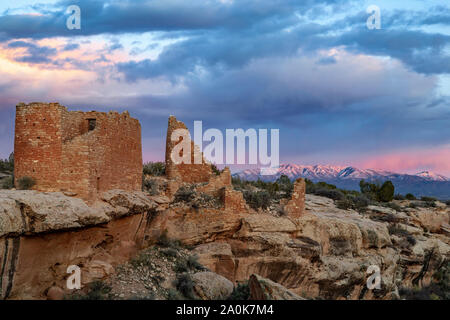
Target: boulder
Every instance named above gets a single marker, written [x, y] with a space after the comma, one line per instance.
[265, 289]
[211, 286]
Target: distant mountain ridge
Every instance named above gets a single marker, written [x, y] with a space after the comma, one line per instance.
[422, 183]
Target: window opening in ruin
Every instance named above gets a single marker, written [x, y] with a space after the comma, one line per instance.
[92, 123]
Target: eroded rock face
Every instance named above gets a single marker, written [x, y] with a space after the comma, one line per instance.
[41, 234]
[324, 252]
[265, 289]
[35, 212]
[327, 252]
[218, 257]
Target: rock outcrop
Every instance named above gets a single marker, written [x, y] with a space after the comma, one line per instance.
[41, 234]
[324, 252]
[265, 289]
[211, 286]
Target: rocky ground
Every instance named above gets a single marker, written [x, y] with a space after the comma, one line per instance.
[171, 271]
[220, 254]
[324, 255]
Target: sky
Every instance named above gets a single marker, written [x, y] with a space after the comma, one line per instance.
[339, 92]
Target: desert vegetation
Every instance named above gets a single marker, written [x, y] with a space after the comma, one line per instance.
[154, 168]
[25, 183]
[7, 165]
[439, 289]
[261, 194]
[6, 172]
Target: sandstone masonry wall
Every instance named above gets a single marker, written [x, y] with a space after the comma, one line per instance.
[84, 153]
[191, 173]
[296, 206]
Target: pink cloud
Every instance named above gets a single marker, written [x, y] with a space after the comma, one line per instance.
[436, 159]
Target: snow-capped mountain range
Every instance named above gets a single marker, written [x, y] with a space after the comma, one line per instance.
[328, 172]
[422, 183]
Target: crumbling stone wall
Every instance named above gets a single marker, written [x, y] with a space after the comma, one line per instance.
[186, 172]
[84, 153]
[234, 201]
[296, 206]
[217, 182]
[215, 185]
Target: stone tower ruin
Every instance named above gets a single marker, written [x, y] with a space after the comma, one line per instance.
[191, 173]
[83, 153]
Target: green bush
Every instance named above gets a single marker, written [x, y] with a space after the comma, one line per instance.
[257, 199]
[151, 186]
[428, 199]
[344, 204]
[399, 197]
[360, 201]
[216, 170]
[438, 289]
[141, 260]
[386, 192]
[327, 190]
[7, 183]
[25, 183]
[185, 265]
[240, 292]
[193, 263]
[170, 252]
[394, 206]
[7, 165]
[181, 266]
[423, 204]
[410, 196]
[329, 193]
[165, 242]
[411, 240]
[97, 290]
[325, 185]
[394, 229]
[447, 202]
[185, 285]
[285, 185]
[184, 194]
[173, 294]
[383, 193]
[413, 205]
[154, 168]
[429, 204]
[372, 237]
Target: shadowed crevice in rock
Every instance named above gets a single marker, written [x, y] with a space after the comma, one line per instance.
[8, 265]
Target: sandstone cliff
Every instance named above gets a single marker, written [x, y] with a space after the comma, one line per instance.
[322, 253]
